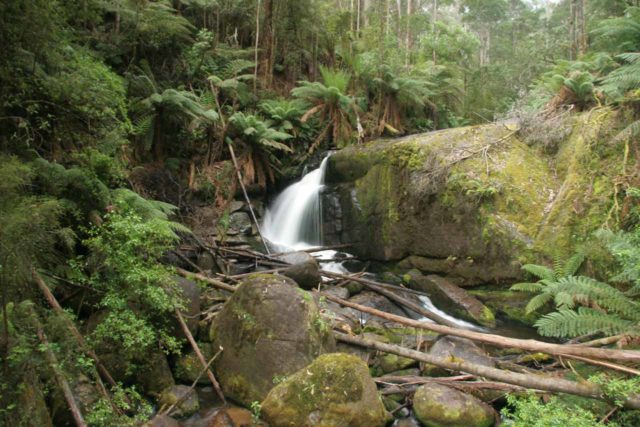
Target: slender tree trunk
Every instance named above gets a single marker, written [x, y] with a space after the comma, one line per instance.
[435, 30]
[387, 17]
[582, 27]
[572, 30]
[358, 18]
[399, 22]
[266, 42]
[257, 46]
[408, 35]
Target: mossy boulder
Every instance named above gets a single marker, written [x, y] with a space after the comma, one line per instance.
[436, 405]
[476, 202]
[336, 390]
[269, 328]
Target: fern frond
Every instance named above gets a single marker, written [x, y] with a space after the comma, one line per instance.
[571, 323]
[573, 264]
[538, 302]
[539, 271]
[527, 287]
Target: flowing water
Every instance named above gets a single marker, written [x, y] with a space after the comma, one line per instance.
[294, 222]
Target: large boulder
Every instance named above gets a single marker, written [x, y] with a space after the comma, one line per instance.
[476, 201]
[336, 390]
[269, 328]
[436, 405]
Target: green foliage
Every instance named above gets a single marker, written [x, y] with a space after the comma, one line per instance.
[137, 291]
[530, 411]
[617, 389]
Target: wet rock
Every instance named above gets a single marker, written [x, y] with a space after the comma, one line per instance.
[407, 422]
[186, 397]
[437, 405]
[377, 301]
[239, 223]
[269, 328]
[449, 347]
[335, 390]
[453, 299]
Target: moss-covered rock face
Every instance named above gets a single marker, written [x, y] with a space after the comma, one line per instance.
[476, 202]
[185, 399]
[336, 390]
[437, 405]
[269, 328]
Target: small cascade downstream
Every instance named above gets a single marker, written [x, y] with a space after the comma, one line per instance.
[294, 222]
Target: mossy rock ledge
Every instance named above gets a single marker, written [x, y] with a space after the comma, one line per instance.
[474, 203]
[269, 329]
[336, 390]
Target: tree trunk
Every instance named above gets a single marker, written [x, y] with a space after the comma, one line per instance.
[435, 30]
[572, 29]
[408, 35]
[582, 27]
[257, 46]
[266, 43]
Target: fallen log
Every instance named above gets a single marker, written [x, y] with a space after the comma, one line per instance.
[216, 283]
[500, 341]
[538, 382]
[316, 249]
[196, 349]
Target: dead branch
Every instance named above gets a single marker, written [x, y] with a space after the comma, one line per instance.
[216, 283]
[196, 349]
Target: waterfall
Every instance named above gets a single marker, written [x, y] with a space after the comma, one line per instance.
[294, 219]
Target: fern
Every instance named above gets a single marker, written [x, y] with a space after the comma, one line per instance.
[572, 323]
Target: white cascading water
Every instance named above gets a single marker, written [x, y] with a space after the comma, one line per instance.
[294, 222]
[294, 219]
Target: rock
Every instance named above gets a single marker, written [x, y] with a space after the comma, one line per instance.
[397, 200]
[305, 270]
[377, 301]
[31, 407]
[449, 347]
[190, 293]
[188, 405]
[240, 223]
[269, 328]
[188, 366]
[387, 363]
[437, 405]
[162, 421]
[453, 299]
[235, 206]
[154, 375]
[335, 390]
[228, 417]
[207, 262]
[354, 288]
[511, 304]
